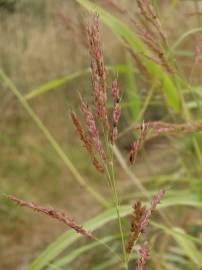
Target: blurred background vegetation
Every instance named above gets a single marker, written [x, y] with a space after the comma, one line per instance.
[39, 51]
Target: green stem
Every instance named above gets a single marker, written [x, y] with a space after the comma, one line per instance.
[111, 179]
[117, 204]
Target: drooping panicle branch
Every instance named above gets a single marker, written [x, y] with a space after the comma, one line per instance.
[98, 74]
[53, 213]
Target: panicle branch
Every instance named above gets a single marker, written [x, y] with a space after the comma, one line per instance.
[98, 74]
[94, 132]
[116, 110]
[61, 216]
[88, 143]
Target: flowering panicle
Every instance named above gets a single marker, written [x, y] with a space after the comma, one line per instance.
[143, 257]
[98, 74]
[116, 110]
[150, 37]
[54, 214]
[88, 143]
[94, 132]
[92, 140]
[138, 144]
[141, 218]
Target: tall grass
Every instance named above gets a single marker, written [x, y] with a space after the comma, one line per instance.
[151, 62]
